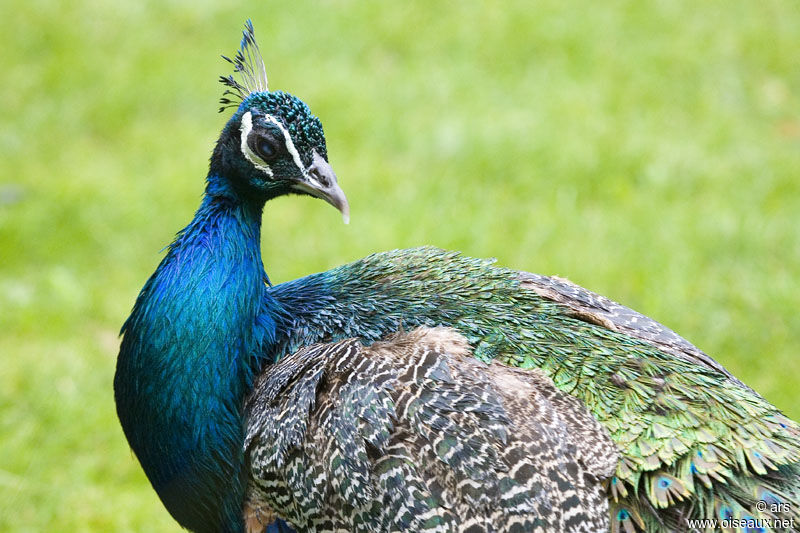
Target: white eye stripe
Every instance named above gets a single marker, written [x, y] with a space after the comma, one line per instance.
[289, 144]
[246, 127]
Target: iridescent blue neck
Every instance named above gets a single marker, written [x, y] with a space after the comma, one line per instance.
[188, 356]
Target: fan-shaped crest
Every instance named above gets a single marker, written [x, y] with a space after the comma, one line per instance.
[248, 66]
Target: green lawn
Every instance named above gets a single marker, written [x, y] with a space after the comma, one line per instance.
[649, 153]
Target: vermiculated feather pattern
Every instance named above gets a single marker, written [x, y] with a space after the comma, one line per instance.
[694, 441]
[507, 420]
[414, 434]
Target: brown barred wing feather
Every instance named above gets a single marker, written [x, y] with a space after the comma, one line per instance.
[415, 434]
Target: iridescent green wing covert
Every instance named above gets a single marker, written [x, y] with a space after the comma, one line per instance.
[695, 442]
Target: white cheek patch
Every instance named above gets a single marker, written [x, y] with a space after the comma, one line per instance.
[246, 127]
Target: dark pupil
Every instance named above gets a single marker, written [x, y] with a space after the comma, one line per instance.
[265, 148]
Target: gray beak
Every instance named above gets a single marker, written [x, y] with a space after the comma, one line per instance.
[322, 183]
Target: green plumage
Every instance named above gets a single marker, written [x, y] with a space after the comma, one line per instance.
[678, 419]
[616, 414]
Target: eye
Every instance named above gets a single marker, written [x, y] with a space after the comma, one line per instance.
[265, 147]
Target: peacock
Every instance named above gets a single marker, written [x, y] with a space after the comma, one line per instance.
[418, 390]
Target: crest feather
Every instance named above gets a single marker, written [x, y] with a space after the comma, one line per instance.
[248, 65]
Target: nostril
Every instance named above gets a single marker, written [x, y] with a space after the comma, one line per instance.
[321, 178]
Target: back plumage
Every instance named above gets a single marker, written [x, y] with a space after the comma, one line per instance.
[414, 434]
[418, 389]
[694, 442]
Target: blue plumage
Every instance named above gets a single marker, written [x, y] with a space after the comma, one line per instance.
[205, 323]
[189, 352]
[692, 440]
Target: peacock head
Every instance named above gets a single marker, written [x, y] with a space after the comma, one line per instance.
[272, 145]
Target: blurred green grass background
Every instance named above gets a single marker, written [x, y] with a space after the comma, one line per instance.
[648, 151]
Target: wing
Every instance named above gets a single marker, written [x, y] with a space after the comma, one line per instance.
[596, 309]
[695, 442]
[414, 434]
